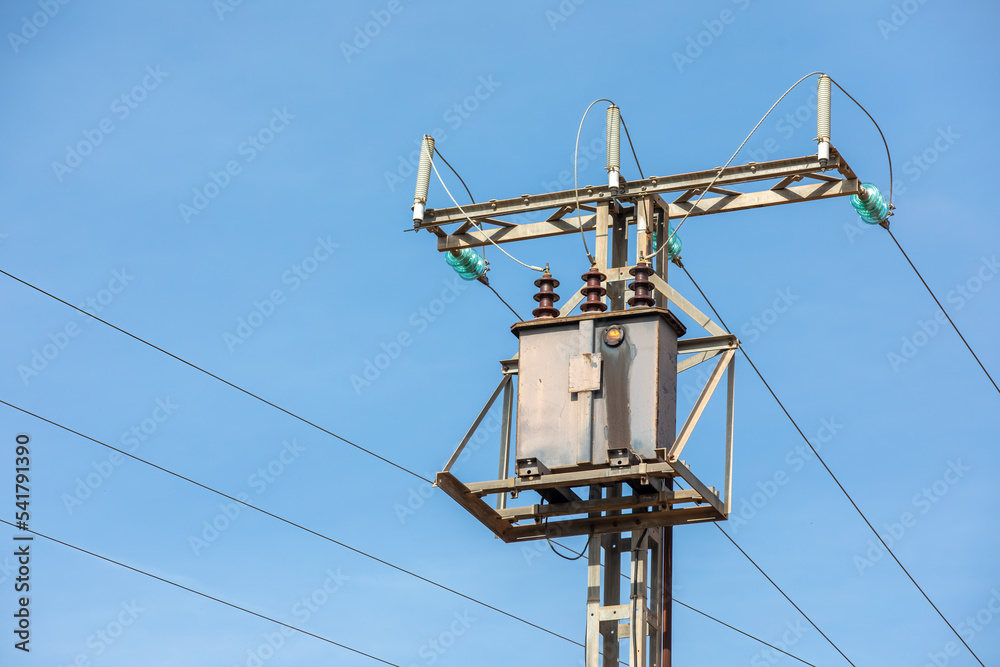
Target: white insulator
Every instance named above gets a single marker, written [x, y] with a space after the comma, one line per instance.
[418, 211]
[423, 178]
[823, 118]
[614, 125]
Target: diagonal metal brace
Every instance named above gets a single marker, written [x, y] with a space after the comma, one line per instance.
[475, 424]
[699, 406]
[673, 295]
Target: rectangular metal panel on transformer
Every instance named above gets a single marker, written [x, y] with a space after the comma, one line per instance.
[583, 394]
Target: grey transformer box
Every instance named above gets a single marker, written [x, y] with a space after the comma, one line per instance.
[596, 390]
[597, 436]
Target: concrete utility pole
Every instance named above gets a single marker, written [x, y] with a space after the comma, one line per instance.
[597, 440]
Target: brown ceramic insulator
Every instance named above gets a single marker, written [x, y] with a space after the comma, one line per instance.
[593, 291]
[641, 286]
[546, 296]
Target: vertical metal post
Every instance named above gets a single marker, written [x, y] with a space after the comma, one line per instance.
[644, 224]
[655, 598]
[667, 595]
[592, 642]
[616, 301]
[612, 586]
[666, 563]
[505, 424]
[619, 258]
[603, 223]
[730, 416]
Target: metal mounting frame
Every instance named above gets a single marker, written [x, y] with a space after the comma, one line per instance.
[654, 501]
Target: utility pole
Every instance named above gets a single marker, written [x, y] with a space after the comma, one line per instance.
[597, 447]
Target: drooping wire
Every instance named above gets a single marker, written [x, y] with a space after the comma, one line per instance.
[467, 191]
[204, 595]
[884, 142]
[473, 199]
[575, 556]
[223, 381]
[552, 543]
[719, 175]
[953, 325]
[833, 476]
[476, 224]
[576, 183]
[289, 522]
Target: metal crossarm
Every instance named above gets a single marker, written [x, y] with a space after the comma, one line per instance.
[836, 179]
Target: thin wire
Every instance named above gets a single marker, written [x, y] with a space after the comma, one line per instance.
[576, 185]
[954, 326]
[467, 191]
[291, 523]
[641, 175]
[888, 156]
[834, 477]
[884, 142]
[226, 382]
[719, 175]
[742, 633]
[709, 616]
[504, 302]
[576, 556]
[752, 562]
[204, 595]
[476, 224]
[776, 586]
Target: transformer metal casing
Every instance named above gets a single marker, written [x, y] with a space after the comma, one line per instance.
[583, 402]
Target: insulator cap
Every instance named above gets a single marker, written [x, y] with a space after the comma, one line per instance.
[546, 297]
[871, 205]
[467, 263]
[593, 291]
[641, 286]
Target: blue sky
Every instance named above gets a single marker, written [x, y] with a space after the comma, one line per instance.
[231, 181]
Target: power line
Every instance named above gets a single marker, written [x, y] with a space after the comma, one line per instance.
[931, 292]
[746, 634]
[509, 307]
[834, 477]
[296, 525]
[483, 280]
[467, 191]
[224, 381]
[337, 542]
[754, 563]
[204, 595]
[779, 589]
[704, 192]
